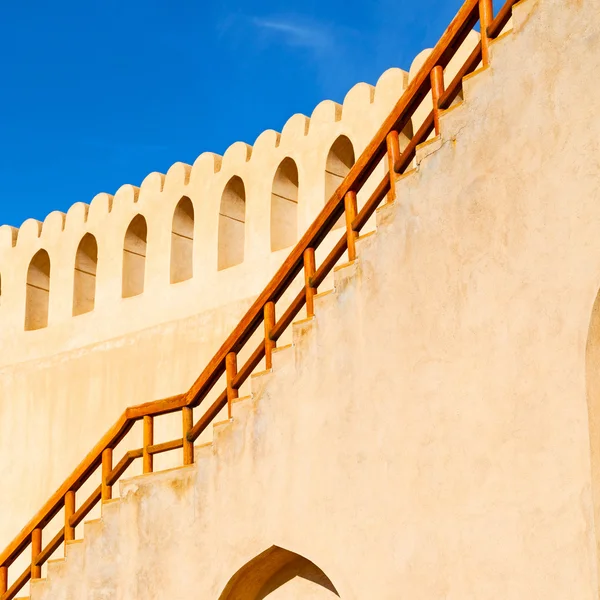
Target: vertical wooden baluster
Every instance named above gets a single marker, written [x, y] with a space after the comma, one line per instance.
[69, 512]
[36, 548]
[269, 311]
[393, 156]
[486, 16]
[107, 460]
[148, 441]
[3, 580]
[437, 89]
[351, 209]
[188, 447]
[309, 271]
[231, 372]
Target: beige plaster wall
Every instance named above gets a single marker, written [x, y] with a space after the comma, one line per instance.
[62, 385]
[427, 434]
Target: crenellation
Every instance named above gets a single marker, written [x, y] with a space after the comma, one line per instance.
[295, 128]
[77, 215]
[177, 175]
[8, 236]
[100, 206]
[390, 85]
[30, 230]
[179, 265]
[237, 154]
[326, 111]
[153, 182]
[126, 194]
[52, 226]
[359, 98]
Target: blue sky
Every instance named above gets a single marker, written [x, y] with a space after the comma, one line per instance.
[100, 93]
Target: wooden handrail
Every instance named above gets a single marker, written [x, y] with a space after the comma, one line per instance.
[343, 201]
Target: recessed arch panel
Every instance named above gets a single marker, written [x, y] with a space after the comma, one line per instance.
[339, 162]
[232, 224]
[37, 296]
[134, 257]
[84, 278]
[284, 206]
[182, 241]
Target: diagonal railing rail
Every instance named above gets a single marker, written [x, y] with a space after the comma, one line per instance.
[428, 82]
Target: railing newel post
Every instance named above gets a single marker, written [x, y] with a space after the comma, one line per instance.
[107, 465]
[393, 157]
[231, 372]
[3, 579]
[36, 548]
[69, 512]
[350, 211]
[187, 416]
[148, 441]
[486, 16]
[270, 345]
[437, 89]
[309, 271]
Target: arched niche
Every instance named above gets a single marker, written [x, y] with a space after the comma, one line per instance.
[592, 368]
[339, 162]
[278, 573]
[134, 257]
[284, 206]
[84, 278]
[37, 295]
[232, 224]
[182, 241]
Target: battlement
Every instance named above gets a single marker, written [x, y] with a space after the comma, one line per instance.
[193, 239]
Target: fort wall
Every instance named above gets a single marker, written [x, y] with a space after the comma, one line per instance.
[427, 436]
[125, 300]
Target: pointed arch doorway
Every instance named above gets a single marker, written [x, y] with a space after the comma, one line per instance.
[279, 574]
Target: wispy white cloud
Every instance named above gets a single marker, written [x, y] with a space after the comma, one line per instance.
[291, 31]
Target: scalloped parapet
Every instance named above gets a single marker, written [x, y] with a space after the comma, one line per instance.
[145, 256]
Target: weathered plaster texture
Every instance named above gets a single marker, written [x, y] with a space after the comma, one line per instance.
[63, 385]
[427, 434]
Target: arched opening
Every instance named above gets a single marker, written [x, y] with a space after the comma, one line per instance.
[84, 284]
[592, 370]
[339, 162]
[134, 257]
[278, 573]
[38, 292]
[182, 241]
[284, 205]
[232, 224]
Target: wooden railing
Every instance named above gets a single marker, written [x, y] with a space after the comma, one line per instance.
[225, 361]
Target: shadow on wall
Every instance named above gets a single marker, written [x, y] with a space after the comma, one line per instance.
[278, 573]
[592, 367]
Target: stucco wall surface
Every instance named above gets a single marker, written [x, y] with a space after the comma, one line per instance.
[427, 434]
[64, 384]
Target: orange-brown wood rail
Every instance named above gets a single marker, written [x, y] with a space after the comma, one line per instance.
[270, 344]
[385, 143]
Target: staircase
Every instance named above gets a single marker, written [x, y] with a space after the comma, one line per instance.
[144, 546]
